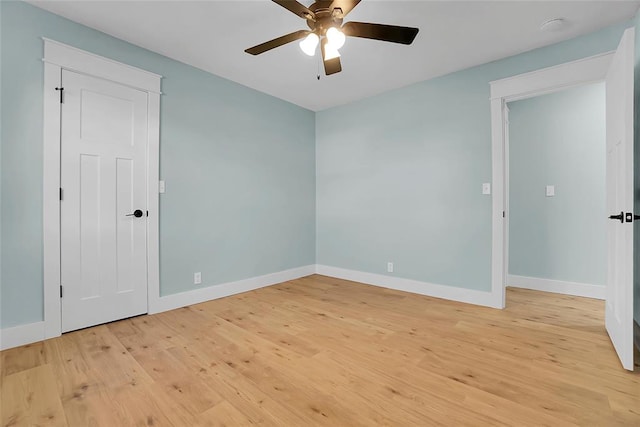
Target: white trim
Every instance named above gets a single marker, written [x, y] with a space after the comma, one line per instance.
[51, 202]
[505, 115]
[552, 79]
[74, 59]
[498, 270]
[22, 335]
[588, 70]
[557, 286]
[196, 296]
[452, 293]
[58, 56]
[153, 202]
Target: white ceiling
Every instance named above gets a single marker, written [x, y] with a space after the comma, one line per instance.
[454, 35]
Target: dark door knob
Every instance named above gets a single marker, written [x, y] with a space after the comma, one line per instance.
[618, 217]
[137, 213]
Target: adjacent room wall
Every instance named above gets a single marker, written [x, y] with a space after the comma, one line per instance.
[558, 139]
[238, 164]
[399, 175]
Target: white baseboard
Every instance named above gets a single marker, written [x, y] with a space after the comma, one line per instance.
[183, 299]
[21, 335]
[453, 293]
[557, 286]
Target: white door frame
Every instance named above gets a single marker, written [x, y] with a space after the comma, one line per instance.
[547, 80]
[58, 57]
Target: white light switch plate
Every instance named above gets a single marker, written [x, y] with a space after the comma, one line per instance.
[550, 190]
[486, 188]
[161, 187]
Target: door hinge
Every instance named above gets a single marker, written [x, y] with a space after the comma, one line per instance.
[60, 193]
[60, 89]
[60, 291]
[503, 214]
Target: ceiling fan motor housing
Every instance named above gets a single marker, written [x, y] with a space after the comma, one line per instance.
[324, 19]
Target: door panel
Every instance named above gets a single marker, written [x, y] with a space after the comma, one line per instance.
[105, 119]
[619, 293]
[89, 236]
[125, 226]
[103, 176]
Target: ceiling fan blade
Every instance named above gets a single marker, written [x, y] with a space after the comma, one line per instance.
[333, 65]
[272, 44]
[387, 33]
[299, 9]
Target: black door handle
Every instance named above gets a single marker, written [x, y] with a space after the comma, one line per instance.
[137, 213]
[618, 217]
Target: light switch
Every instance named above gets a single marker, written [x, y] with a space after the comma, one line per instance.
[161, 187]
[550, 190]
[486, 188]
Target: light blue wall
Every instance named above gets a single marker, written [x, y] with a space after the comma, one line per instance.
[239, 167]
[559, 139]
[399, 175]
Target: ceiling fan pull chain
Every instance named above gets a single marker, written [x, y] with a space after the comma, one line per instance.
[318, 68]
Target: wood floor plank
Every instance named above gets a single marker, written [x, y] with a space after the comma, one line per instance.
[259, 407]
[321, 351]
[22, 358]
[223, 414]
[30, 398]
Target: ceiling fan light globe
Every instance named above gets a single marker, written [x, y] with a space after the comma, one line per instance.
[309, 44]
[336, 37]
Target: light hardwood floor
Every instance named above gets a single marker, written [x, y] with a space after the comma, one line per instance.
[323, 351]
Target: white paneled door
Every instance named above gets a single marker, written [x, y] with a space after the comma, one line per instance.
[619, 293]
[103, 212]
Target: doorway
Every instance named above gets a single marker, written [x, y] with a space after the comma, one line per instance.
[555, 176]
[100, 189]
[616, 69]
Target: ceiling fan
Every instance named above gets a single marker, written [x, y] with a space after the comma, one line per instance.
[324, 18]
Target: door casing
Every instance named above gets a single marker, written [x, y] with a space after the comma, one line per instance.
[548, 80]
[59, 56]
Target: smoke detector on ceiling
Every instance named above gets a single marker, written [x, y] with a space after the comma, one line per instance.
[553, 25]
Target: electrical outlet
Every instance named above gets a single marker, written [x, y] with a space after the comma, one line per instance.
[390, 267]
[486, 188]
[161, 187]
[197, 278]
